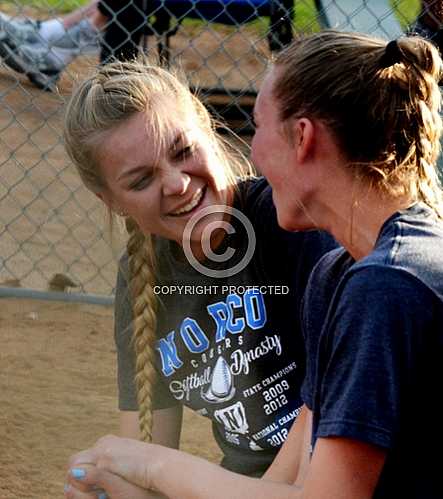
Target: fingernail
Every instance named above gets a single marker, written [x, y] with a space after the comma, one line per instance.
[103, 495]
[67, 487]
[78, 473]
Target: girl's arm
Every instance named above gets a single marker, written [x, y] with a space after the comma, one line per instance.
[292, 460]
[340, 469]
[343, 468]
[173, 473]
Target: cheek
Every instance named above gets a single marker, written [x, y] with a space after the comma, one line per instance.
[143, 207]
[256, 151]
[215, 172]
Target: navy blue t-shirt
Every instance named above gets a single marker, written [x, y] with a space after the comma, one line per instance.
[374, 339]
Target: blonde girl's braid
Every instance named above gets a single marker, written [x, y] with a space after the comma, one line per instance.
[108, 98]
[141, 255]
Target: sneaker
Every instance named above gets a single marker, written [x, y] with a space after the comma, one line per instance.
[82, 38]
[38, 63]
[19, 31]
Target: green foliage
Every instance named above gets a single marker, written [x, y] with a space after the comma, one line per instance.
[406, 10]
[56, 6]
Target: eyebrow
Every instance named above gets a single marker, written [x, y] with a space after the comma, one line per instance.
[177, 139]
[139, 168]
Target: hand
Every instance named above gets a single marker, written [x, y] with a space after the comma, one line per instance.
[132, 460]
[101, 484]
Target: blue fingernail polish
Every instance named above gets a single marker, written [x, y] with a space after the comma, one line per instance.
[103, 495]
[78, 473]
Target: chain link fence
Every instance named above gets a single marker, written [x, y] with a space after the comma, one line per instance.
[53, 232]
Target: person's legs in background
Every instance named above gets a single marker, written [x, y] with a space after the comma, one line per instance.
[42, 49]
[26, 30]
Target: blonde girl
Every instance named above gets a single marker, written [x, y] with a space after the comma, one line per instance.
[223, 340]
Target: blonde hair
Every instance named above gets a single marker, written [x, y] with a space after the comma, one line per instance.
[112, 95]
[384, 117]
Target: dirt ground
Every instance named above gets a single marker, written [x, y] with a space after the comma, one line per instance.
[57, 360]
[58, 394]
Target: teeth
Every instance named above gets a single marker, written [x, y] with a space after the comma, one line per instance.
[196, 198]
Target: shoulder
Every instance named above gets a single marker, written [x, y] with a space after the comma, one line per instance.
[337, 258]
[411, 241]
[380, 297]
[329, 269]
[366, 294]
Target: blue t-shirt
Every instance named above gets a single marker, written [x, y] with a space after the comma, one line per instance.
[374, 339]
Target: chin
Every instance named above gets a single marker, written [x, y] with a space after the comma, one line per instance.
[295, 222]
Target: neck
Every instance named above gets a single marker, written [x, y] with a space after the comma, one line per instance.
[355, 220]
[351, 211]
[336, 200]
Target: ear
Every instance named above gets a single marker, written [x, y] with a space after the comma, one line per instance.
[304, 135]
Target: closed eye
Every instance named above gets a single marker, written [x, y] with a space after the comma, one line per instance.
[141, 183]
[184, 152]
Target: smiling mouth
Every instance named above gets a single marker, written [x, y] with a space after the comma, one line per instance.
[195, 202]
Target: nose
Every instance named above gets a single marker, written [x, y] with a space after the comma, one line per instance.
[174, 182]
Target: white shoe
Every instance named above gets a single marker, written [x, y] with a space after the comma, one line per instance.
[38, 63]
[81, 38]
[19, 31]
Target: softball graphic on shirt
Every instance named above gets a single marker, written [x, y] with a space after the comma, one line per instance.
[221, 388]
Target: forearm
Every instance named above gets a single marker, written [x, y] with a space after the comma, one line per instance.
[182, 476]
[176, 474]
[291, 462]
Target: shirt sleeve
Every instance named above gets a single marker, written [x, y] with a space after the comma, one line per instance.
[127, 392]
[369, 354]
